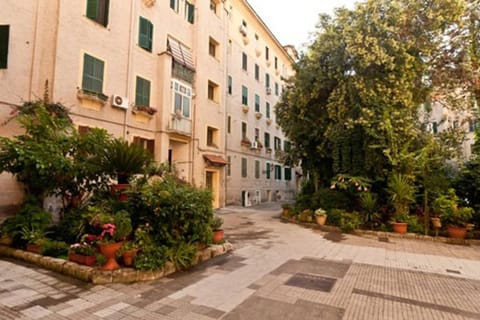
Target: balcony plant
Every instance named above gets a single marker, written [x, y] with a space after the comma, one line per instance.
[82, 253]
[246, 142]
[34, 237]
[145, 109]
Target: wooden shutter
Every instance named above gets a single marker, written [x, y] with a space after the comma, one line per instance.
[145, 34]
[268, 170]
[4, 39]
[87, 82]
[142, 93]
[151, 146]
[92, 6]
[103, 7]
[190, 12]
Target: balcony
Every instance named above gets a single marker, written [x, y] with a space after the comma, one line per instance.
[180, 125]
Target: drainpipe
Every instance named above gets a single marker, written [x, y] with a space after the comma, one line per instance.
[225, 78]
[129, 64]
[34, 45]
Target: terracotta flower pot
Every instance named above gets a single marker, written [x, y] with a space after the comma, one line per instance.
[129, 256]
[400, 227]
[109, 250]
[436, 223]
[85, 260]
[456, 232]
[35, 248]
[217, 236]
[321, 219]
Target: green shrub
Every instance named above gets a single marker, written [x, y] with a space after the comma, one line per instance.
[346, 221]
[53, 248]
[150, 258]
[72, 226]
[182, 255]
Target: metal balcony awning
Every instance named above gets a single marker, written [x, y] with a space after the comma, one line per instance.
[180, 53]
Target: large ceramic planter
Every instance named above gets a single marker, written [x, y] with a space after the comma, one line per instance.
[109, 250]
[129, 257]
[321, 219]
[456, 232]
[85, 260]
[399, 227]
[217, 236]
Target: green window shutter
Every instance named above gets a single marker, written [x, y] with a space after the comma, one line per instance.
[92, 79]
[244, 167]
[145, 34]
[4, 39]
[257, 103]
[267, 110]
[190, 12]
[288, 174]
[103, 12]
[244, 95]
[268, 170]
[142, 93]
[92, 6]
[257, 169]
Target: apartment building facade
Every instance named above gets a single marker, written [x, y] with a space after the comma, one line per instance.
[256, 68]
[151, 72]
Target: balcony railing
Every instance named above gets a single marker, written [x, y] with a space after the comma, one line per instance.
[180, 125]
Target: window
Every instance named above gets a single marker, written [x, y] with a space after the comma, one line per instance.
[244, 95]
[213, 6]
[97, 10]
[257, 103]
[230, 84]
[278, 172]
[276, 88]
[142, 92]
[244, 61]
[286, 145]
[92, 74]
[229, 166]
[212, 47]
[145, 34]
[244, 23]
[189, 12]
[266, 140]
[455, 124]
[147, 144]
[435, 127]
[212, 137]
[267, 53]
[267, 110]
[213, 94]
[182, 96]
[244, 167]
[4, 39]
[257, 169]
[288, 174]
[244, 130]
[257, 134]
[174, 5]
[277, 143]
[267, 80]
[229, 124]
[257, 72]
[267, 170]
[276, 63]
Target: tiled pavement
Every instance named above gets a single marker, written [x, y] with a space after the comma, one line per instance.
[278, 270]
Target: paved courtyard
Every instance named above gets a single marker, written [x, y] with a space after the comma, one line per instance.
[278, 270]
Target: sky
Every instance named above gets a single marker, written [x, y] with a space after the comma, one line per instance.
[293, 21]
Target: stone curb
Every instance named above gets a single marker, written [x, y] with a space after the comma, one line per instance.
[385, 234]
[98, 276]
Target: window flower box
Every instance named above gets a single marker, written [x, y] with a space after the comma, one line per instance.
[246, 143]
[80, 259]
[99, 97]
[144, 110]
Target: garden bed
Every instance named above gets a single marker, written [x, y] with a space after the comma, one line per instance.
[98, 276]
[383, 234]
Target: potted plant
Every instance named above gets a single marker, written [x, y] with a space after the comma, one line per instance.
[286, 209]
[453, 217]
[123, 160]
[82, 253]
[114, 230]
[34, 237]
[129, 251]
[401, 195]
[320, 216]
[218, 233]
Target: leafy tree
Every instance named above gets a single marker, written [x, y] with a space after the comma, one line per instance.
[51, 157]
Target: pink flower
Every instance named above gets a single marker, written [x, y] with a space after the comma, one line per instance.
[91, 237]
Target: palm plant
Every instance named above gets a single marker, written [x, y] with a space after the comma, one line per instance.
[401, 195]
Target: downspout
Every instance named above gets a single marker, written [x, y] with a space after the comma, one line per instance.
[55, 46]
[129, 64]
[34, 44]
[194, 101]
[225, 96]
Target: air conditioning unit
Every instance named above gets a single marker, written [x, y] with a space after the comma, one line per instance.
[269, 90]
[243, 30]
[254, 145]
[120, 102]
